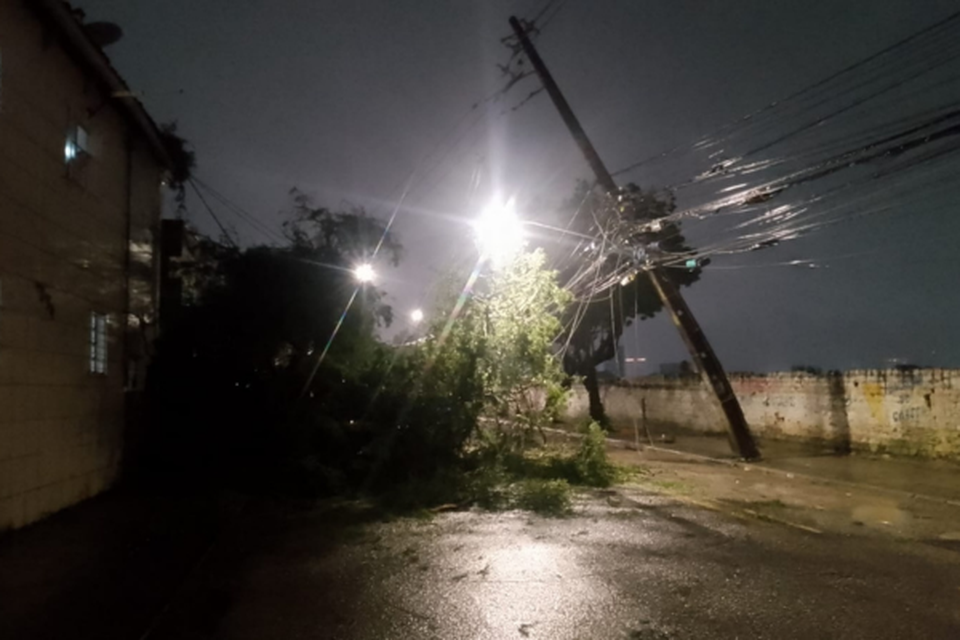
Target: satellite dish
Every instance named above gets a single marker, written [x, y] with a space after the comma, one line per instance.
[103, 34]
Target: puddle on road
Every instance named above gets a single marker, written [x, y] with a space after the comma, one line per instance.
[881, 515]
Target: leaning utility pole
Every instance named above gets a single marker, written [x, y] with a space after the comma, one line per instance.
[741, 440]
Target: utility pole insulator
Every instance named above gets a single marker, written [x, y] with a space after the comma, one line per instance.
[741, 440]
[696, 263]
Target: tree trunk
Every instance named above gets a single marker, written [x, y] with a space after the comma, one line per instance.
[593, 391]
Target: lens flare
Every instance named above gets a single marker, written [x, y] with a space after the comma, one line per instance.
[364, 273]
[499, 232]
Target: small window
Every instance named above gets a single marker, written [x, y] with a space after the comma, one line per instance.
[98, 343]
[77, 145]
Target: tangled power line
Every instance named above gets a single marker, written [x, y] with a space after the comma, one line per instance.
[879, 136]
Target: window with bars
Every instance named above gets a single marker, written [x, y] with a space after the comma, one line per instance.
[98, 343]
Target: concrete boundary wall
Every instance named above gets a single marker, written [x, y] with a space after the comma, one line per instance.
[915, 412]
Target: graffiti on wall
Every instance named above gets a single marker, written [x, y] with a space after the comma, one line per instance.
[899, 402]
[780, 402]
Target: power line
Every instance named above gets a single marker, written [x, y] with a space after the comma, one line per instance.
[213, 215]
[242, 214]
[754, 116]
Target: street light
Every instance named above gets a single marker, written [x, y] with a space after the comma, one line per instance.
[498, 231]
[416, 315]
[364, 273]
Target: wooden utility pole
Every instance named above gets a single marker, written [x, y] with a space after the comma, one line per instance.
[741, 440]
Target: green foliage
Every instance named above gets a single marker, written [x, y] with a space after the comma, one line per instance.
[593, 467]
[395, 421]
[489, 351]
[547, 497]
[226, 383]
[183, 161]
[555, 401]
[490, 476]
[539, 479]
[586, 464]
[348, 235]
[425, 409]
[490, 487]
[510, 323]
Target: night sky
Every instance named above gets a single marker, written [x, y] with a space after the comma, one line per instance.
[346, 99]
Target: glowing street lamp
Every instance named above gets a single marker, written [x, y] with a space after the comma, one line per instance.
[364, 273]
[499, 232]
[416, 316]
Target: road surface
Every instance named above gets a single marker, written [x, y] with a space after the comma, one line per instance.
[631, 563]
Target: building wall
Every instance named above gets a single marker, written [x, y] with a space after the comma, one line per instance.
[63, 255]
[903, 412]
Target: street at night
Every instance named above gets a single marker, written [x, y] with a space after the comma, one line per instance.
[629, 563]
[479, 319]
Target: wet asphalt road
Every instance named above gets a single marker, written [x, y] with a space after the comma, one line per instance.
[629, 564]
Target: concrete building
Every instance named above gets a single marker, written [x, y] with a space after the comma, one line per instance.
[81, 165]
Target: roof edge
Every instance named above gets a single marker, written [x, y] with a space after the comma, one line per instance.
[60, 15]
